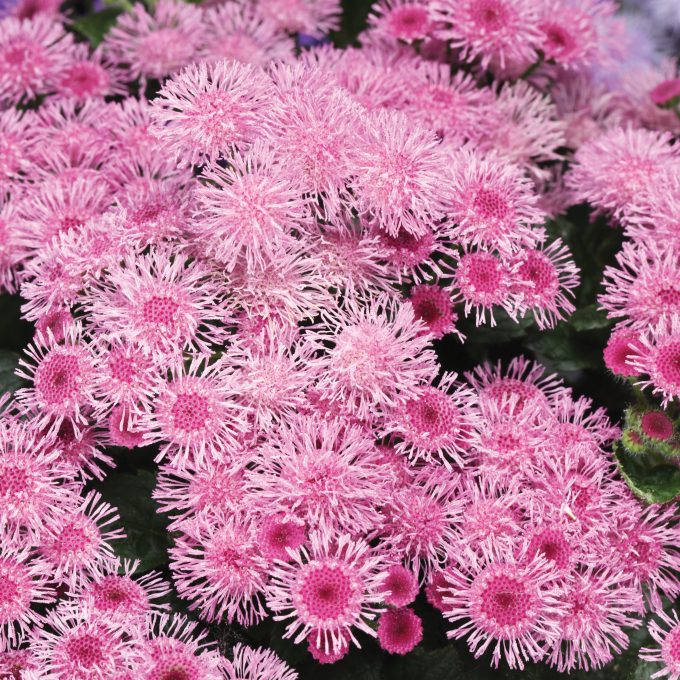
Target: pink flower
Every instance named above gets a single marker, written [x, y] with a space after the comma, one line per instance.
[433, 305]
[504, 32]
[241, 32]
[332, 588]
[437, 423]
[161, 302]
[325, 472]
[377, 355]
[32, 52]
[407, 20]
[657, 425]
[500, 604]
[398, 175]
[255, 664]
[155, 45]
[24, 582]
[666, 633]
[402, 585]
[311, 17]
[399, 631]
[195, 414]
[248, 210]
[657, 353]
[619, 353]
[320, 655]
[280, 533]
[209, 109]
[82, 646]
[493, 204]
[665, 91]
[218, 566]
[62, 379]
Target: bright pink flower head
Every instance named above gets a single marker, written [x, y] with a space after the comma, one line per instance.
[437, 423]
[320, 655]
[484, 282]
[504, 32]
[32, 52]
[665, 92]
[16, 139]
[399, 631]
[218, 566]
[82, 646]
[62, 377]
[209, 109]
[643, 289]
[311, 17]
[433, 305]
[237, 30]
[492, 203]
[505, 606]
[257, 664]
[333, 588]
[281, 533]
[436, 589]
[248, 209]
[196, 415]
[159, 44]
[600, 608]
[619, 353]
[544, 281]
[407, 20]
[162, 302]
[175, 650]
[123, 428]
[657, 425]
[377, 355]
[325, 472]
[56, 321]
[81, 451]
[402, 584]
[657, 353]
[24, 581]
[398, 175]
[666, 633]
[19, 663]
[77, 544]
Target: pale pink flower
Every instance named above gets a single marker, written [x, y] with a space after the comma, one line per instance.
[311, 17]
[492, 204]
[239, 31]
[377, 355]
[162, 302]
[24, 581]
[8, 245]
[399, 630]
[503, 32]
[209, 109]
[82, 646]
[666, 633]
[77, 544]
[62, 377]
[332, 588]
[249, 209]
[326, 472]
[399, 175]
[16, 140]
[218, 566]
[257, 664]
[545, 281]
[158, 44]
[32, 52]
[643, 289]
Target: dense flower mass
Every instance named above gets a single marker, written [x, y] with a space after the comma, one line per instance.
[241, 252]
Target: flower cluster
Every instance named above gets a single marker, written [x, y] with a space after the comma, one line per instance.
[242, 257]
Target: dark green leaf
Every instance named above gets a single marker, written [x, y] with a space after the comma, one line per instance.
[95, 26]
[147, 535]
[9, 382]
[652, 481]
[564, 349]
[437, 664]
[589, 318]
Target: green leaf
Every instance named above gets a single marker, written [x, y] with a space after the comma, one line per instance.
[644, 670]
[437, 664]
[95, 26]
[147, 539]
[589, 318]
[9, 382]
[563, 349]
[649, 479]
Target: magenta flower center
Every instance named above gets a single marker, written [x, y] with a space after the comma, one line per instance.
[160, 310]
[13, 479]
[505, 601]
[327, 592]
[86, 649]
[57, 378]
[190, 412]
